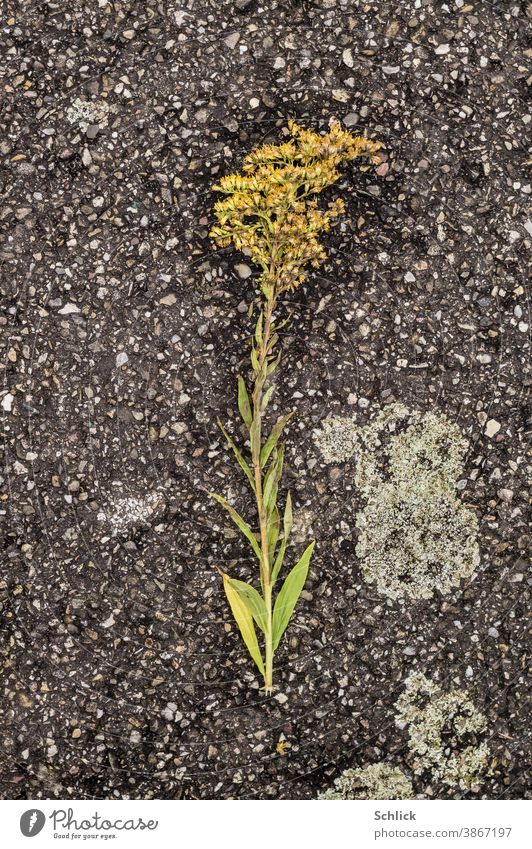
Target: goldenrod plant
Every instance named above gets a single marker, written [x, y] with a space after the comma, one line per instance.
[270, 212]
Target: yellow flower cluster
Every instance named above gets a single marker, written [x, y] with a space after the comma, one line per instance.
[269, 212]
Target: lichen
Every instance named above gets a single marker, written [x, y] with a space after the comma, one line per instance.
[415, 697]
[374, 781]
[407, 446]
[87, 112]
[416, 543]
[444, 731]
[337, 440]
[415, 536]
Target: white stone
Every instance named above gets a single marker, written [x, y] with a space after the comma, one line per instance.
[7, 402]
[492, 427]
[351, 119]
[347, 58]
[168, 300]
[442, 49]
[69, 309]
[243, 271]
[232, 40]
[121, 359]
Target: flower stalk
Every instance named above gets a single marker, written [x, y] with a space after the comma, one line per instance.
[263, 351]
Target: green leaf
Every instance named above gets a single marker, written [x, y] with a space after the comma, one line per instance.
[282, 323]
[239, 522]
[289, 594]
[254, 437]
[243, 403]
[267, 397]
[240, 460]
[273, 499]
[272, 365]
[244, 620]
[274, 523]
[287, 527]
[272, 343]
[273, 438]
[254, 360]
[253, 601]
[258, 329]
[272, 479]
[268, 478]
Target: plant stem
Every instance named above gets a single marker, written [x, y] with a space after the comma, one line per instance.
[262, 350]
[268, 667]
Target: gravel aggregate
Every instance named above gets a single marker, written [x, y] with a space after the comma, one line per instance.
[122, 333]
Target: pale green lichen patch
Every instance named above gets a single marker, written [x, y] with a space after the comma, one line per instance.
[400, 444]
[415, 535]
[375, 781]
[87, 112]
[418, 692]
[417, 544]
[337, 439]
[444, 732]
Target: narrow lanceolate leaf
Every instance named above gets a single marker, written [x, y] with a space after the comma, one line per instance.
[269, 477]
[282, 323]
[273, 438]
[243, 403]
[272, 365]
[272, 343]
[258, 330]
[289, 594]
[244, 620]
[287, 527]
[254, 360]
[239, 522]
[274, 524]
[272, 479]
[255, 437]
[240, 460]
[266, 397]
[253, 601]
